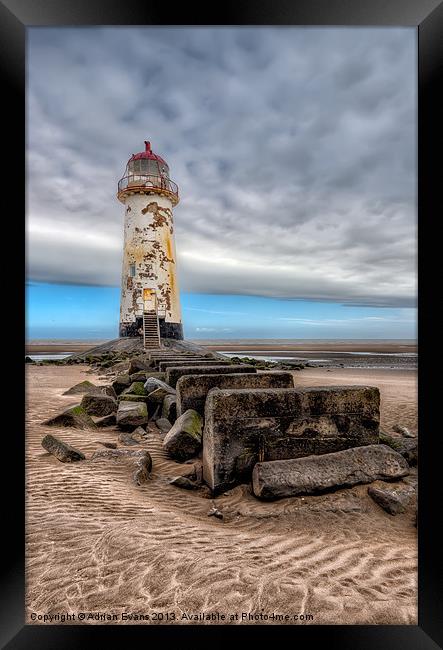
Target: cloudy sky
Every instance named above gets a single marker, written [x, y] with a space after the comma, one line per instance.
[294, 151]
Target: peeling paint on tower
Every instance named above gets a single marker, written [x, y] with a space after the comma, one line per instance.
[149, 258]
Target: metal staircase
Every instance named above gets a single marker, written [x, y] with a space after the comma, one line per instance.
[151, 330]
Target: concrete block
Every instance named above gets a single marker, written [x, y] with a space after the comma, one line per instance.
[243, 427]
[173, 374]
[193, 389]
[164, 365]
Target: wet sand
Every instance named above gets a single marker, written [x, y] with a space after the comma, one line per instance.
[57, 346]
[98, 543]
[317, 346]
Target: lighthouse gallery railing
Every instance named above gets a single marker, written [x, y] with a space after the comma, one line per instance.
[147, 180]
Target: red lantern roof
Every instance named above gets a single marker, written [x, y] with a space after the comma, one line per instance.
[148, 153]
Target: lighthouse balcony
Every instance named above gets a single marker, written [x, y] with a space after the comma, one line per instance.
[147, 183]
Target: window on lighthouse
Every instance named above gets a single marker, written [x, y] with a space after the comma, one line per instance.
[132, 270]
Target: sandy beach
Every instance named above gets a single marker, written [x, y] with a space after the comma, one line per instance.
[98, 543]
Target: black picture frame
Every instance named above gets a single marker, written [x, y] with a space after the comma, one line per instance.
[427, 16]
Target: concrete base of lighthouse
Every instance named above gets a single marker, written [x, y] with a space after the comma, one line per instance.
[167, 330]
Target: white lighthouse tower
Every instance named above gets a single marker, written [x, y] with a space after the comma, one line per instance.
[150, 300]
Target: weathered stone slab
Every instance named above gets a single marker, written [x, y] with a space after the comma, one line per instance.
[157, 360]
[132, 414]
[314, 474]
[245, 426]
[174, 374]
[75, 417]
[193, 389]
[164, 365]
[61, 450]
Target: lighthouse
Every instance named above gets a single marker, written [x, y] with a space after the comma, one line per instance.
[150, 299]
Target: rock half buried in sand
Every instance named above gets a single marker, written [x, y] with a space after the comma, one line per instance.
[132, 414]
[184, 483]
[184, 439]
[134, 438]
[75, 417]
[99, 405]
[391, 500]
[109, 445]
[313, 474]
[61, 450]
[142, 458]
[82, 387]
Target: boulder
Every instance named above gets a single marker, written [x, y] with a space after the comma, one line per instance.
[61, 450]
[121, 382]
[75, 417]
[107, 421]
[316, 474]
[99, 405]
[131, 414]
[163, 424]
[152, 383]
[169, 408]
[136, 388]
[82, 387]
[184, 439]
[245, 426]
[393, 501]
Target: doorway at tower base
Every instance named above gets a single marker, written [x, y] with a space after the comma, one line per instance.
[167, 330]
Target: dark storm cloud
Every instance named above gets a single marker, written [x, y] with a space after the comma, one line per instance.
[294, 151]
